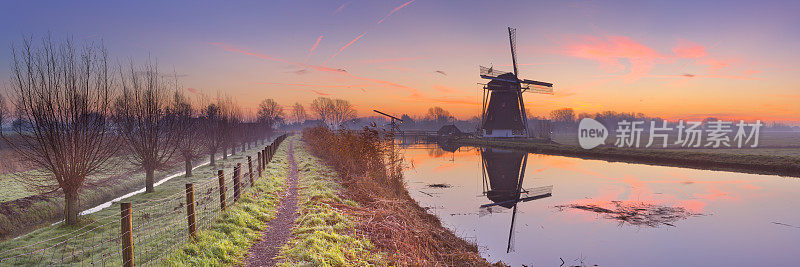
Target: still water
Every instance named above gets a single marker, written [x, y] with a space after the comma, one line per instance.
[539, 210]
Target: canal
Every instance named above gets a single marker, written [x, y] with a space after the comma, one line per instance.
[538, 210]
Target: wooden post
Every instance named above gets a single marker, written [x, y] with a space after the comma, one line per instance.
[264, 152]
[190, 210]
[127, 235]
[237, 173]
[259, 165]
[221, 175]
[250, 169]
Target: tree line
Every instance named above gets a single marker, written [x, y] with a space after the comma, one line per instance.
[76, 115]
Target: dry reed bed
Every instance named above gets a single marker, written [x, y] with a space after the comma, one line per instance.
[371, 173]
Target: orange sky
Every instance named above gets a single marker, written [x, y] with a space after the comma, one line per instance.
[679, 60]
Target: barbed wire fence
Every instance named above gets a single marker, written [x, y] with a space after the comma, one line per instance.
[146, 233]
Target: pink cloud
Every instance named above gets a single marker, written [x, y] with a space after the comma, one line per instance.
[610, 50]
[395, 10]
[194, 91]
[312, 49]
[319, 93]
[315, 67]
[689, 49]
[343, 47]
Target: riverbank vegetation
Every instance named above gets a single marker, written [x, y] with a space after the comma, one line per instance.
[370, 173]
[324, 235]
[785, 165]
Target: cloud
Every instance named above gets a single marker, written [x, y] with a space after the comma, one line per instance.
[383, 60]
[441, 72]
[689, 49]
[312, 49]
[194, 91]
[315, 67]
[339, 9]
[342, 49]
[395, 10]
[319, 93]
[611, 49]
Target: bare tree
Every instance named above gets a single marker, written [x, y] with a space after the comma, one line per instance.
[62, 98]
[142, 116]
[438, 115]
[299, 112]
[3, 111]
[269, 113]
[187, 129]
[342, 111]
[211, 125]
[322, 107]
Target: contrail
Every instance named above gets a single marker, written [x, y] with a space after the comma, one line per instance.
[339, 9]
[341, 49]
[395, 10]
[312, 49]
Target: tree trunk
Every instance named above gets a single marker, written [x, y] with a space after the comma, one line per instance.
[148, 179]
[71, 210]
[225, 153]
[211, 159]
[188, 167]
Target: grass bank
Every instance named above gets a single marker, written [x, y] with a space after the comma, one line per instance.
[159, 223]
[374, 199]
[324, 235]
[783, 165]
[228, 238]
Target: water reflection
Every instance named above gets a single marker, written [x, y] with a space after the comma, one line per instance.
[503, 174]
[610, 213]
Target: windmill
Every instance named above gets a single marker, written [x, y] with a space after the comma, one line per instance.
[393, 124]
[503, 112]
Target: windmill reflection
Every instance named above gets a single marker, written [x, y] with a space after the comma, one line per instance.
[503, 174]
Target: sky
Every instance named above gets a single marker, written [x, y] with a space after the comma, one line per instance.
[673, 59]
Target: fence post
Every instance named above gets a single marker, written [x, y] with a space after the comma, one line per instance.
[127, 235]
[237, 174]
[250, 169]
[259, 164]
[221, 175]
[190, 210]
[264, 153]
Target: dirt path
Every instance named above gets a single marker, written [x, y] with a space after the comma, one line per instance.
[279, 230]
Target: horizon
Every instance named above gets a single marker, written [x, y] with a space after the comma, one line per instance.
[402, 57]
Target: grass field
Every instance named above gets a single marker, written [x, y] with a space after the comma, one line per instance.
[159, 224]
[18, 216]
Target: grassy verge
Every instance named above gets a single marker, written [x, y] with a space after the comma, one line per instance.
[370, 173]
[710, 160]
[20, 216]
[229, 237]
[158, 219]
[324, 235]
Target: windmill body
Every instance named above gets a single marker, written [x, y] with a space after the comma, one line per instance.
[503, 108]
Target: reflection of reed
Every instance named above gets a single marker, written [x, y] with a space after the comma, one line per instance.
[636, 213]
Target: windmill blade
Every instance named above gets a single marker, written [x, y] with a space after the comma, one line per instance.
[512, 38]
[492, 73]
[543, 84]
